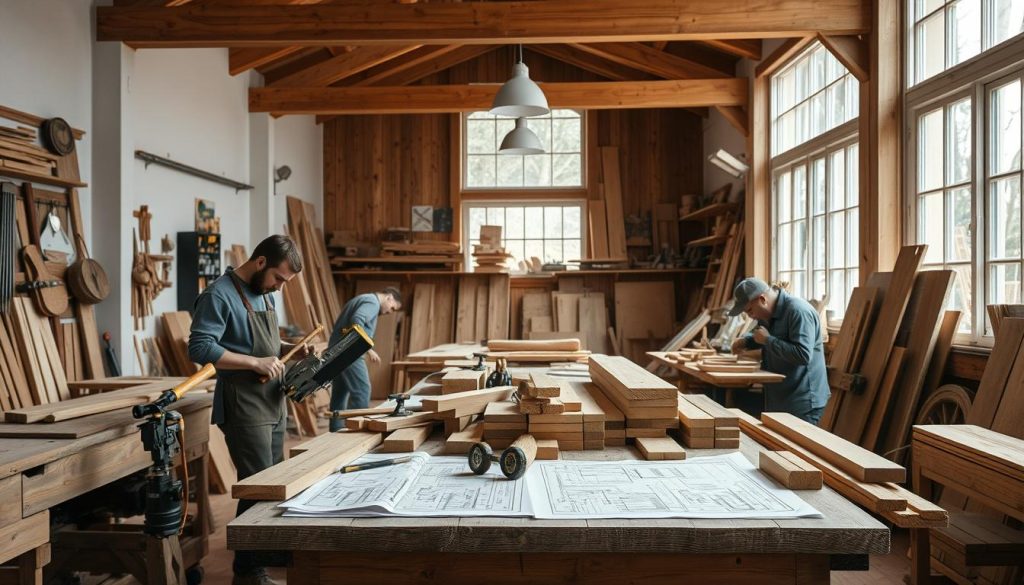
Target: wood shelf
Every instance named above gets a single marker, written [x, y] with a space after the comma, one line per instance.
[708, 241]
[546, 275]
[709, 211]
[40, 178]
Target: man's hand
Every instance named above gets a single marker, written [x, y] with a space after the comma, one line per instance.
[373, 357]
[270, 367]
[739, 344]
[761, 335]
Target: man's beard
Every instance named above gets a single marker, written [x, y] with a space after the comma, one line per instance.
[256, 282]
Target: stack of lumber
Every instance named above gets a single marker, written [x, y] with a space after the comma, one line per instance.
[320, 293]
[177, 327]
[550, 350]
[489, 254]
[726, 363]
[607, 219]
[459, 442]
[649, 404]
[460, 380]
[554, 412]
[885, 348]
[32, 370]
[858, 474]
[705, 424]
[690, 354]
[503, 424]
[19, 150]
[598, 407]
[422, 248]
[482, 310]
[789, 470]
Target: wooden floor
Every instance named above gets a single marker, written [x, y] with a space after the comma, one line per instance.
[885, 569]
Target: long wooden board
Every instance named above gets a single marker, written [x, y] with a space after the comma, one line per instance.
[288, 478]
[861, 464]
[613, 202]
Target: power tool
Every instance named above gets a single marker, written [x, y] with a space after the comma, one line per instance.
[315, 372]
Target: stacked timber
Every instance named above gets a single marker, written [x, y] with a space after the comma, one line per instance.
[503, 424]
[594, 401]
[489, 254]
[460, 380]
[549, 350]
[19, 150]
[554, 412]
[705, 424]
[648, 403]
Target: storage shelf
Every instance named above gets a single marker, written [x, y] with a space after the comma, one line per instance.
[709, 211]
[708, 241]
[40, 178]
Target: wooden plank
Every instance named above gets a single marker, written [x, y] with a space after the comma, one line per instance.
[598, 229]
[747, 48]
[498, 306]
[613, 202]
[461, 381]
[593, 320]
[222, 468]
[566, 311]
[33, 367]
[861, 464]
[422, 316]
[650, 60]
[940, 356]
[202, 25]
[724, 417]
[288, 478]
[1002, 366]
[441, 319]
[406, 440]
[918, 333]
[459, 443]
[660, 448]
[851, 421]
[537, 346]
[692, 416]
[630, 380]
[465, 314]
[792, 472]
[894, 372]
[464, 403]
[25, 534]
[343, 65]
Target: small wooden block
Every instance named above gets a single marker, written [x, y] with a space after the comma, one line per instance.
[461, 381]
[460, 442]
[454, 425]
[790, 470]
[547, 450]
[661, 448]
[699, 442]
[532, 405]
[544, 386]
[727, 443]
[553, 406]
[647, 433]
[356, 423]
[727, 432]
[406, 440]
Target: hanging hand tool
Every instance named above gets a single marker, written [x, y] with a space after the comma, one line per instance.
[514, 461]
[50, 300]
[315, 372]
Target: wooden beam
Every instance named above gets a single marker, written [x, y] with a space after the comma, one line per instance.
[425, 99]
[852, 52]
[650, 60]
[552, 21]
[242, 60]
[441, 58]
[757, 203]
[782, 55]
[736, 116]
[589, 61]
[343, 65]
[748, 48]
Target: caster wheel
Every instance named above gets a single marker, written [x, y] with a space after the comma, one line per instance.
[480, 458]
[513, 463]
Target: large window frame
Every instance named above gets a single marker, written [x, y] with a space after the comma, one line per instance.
[835, 138]
[972, 79]
[467, 227]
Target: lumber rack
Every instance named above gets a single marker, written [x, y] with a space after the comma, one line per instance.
[153, 159]
[124, 549]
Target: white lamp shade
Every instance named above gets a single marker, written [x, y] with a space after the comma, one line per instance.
[521, 140]
[520, 96]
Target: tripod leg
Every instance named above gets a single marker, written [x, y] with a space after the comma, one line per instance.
[163, 561]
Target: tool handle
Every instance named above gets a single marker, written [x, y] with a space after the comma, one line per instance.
[291, 353]
[194, 380]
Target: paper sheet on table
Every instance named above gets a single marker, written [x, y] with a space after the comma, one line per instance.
[724, 486]
[426, 486]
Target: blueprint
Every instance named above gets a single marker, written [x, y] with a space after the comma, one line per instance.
[426, 486]
[725, 486]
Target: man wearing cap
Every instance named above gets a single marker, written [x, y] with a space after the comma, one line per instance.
[789, 337]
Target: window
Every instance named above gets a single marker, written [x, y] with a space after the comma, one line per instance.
[944, 197]
[947, 33]
[811, 96]
[561, 164]
[1003, 258]
[815, 170]
[817, 240]
[553, 232]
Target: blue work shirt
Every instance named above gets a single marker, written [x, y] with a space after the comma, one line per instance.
[794, 349]
[362, 310]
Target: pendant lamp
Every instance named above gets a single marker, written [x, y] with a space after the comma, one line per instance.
[521, 140]
[520, 96]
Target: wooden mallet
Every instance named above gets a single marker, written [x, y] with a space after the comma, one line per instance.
[291, 353]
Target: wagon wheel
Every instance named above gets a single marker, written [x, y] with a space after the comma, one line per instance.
[948, 405]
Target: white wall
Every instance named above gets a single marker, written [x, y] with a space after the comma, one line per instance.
[298, 143]
[46, 68]
[181, 104]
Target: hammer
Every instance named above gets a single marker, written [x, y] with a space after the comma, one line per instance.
[513, 461]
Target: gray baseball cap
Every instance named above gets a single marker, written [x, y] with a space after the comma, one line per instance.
[747, 290]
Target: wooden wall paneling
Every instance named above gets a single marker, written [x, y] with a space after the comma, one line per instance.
[482, 297]
[593, 320]
[533, 302]
[465, 315]
[598, 231]
[422, 316]
[643, 310]
[757, 202]
[498, 306]
[441, 321]
[613, 202]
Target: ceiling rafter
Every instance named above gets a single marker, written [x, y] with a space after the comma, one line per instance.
[650, 60]
[589, 62]
[242, 60]
[462, 98]
[748, 48]
[342, 65]
[551, 21]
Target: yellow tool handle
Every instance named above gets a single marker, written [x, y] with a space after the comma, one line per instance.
[291, 353]
[194, 380]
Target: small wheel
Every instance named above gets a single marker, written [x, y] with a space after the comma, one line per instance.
[480, 458]
[194, 575]
[513, 463]
[948, 405]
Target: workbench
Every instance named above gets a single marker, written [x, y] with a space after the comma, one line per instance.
[691, 377]
[523, 550]
[37, 474]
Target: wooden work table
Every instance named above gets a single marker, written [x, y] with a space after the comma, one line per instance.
[525, 550]
[690, 377]
[37, 474]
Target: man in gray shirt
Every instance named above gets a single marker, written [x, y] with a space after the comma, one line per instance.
[351, 389]
[789, 337]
